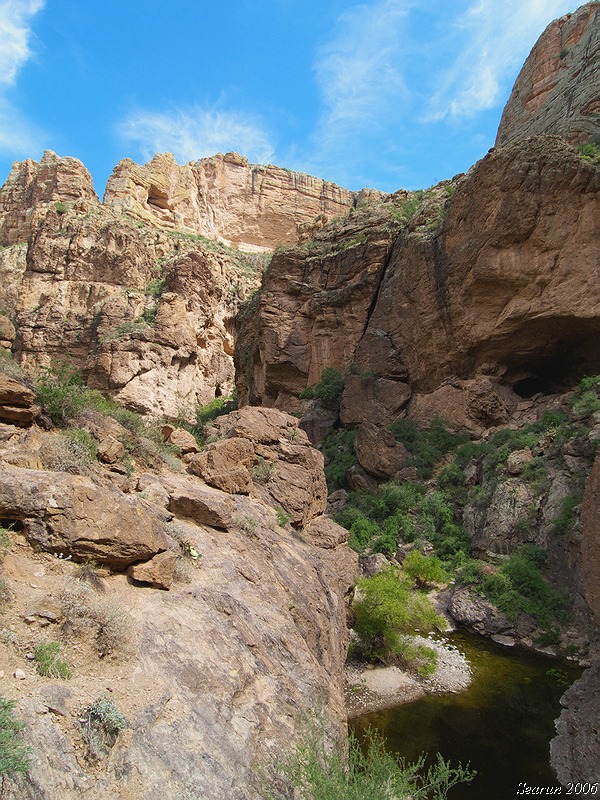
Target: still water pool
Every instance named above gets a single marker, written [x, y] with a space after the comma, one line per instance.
[502, 724]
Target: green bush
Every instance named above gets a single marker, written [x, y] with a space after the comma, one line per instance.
[427, 446]
[48, 661]
[329, 389]
[315, 771]
[518, 586]
[14, 755]
[386, 612]
[102, 722]
[424, 570]
[338, 449]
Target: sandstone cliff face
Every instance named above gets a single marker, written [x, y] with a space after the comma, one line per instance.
[144, 313]
[557, 89]
[244, 205]
[31, 188]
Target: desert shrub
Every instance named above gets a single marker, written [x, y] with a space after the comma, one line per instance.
[565, 520]
[61, 392]
[100, 726]
[329, 390]
[386, 612]
[73, 450]
[282, 516]
[427, 446]
[262, 471]
[338, 449]
[316, 771]
[518, 586]
[15, 757]
[88, 573]
[87, 614]
[48, 661]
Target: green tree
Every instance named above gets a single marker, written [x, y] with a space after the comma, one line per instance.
[387, 612]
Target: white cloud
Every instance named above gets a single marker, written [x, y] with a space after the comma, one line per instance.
[18, 136]
[15, 16]
[197, 133]
[359, 70]
[492, 39]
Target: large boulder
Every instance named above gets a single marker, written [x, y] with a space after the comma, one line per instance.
[69, 514]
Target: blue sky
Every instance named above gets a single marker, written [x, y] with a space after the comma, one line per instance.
[385, 93]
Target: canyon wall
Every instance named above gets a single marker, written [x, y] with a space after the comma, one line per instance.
[247, 206]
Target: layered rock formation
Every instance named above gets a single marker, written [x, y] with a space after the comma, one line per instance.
[557, 89]
[226, 198]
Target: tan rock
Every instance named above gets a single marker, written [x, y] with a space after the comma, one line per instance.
[184, 440]
[69, 514]
[13, 393]
[190, 499]
[31, 189]
[517, 460]
[159, 571]
[378, 451]
[376, 400]
[225, 465]
[225, 198]
[110, 450]
[323, 532]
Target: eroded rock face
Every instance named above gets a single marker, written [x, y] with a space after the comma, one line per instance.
[590, 540]
[313, 308]
[226, 198]
[32, 188]
[575, 752]
[557, 89]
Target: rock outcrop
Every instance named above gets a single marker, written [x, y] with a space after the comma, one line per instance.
[248, 206]
[212, 675]
[556, 91]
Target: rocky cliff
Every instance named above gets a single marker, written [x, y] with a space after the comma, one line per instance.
[210, 677]
[247, 206]
[557, 89]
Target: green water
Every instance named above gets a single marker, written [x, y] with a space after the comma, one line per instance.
[502, 724]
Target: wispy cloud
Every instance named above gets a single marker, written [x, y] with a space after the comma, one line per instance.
[492, 40]
[359, 71]
[17, 135]
[195, 133]
[392, 68]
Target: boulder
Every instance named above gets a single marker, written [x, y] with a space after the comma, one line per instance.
[158, 572]
[69, 514]
[378, 451]
[225, 465]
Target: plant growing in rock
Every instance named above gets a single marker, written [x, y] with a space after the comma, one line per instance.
[262, 471]
[15, 757]
[317, 771]
[329, 390]
[86, 614]
[48, 661]
[101, 724]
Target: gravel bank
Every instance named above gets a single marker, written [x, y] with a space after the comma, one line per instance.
[375, 688]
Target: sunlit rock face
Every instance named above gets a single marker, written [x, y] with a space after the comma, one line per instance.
[557, 89]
